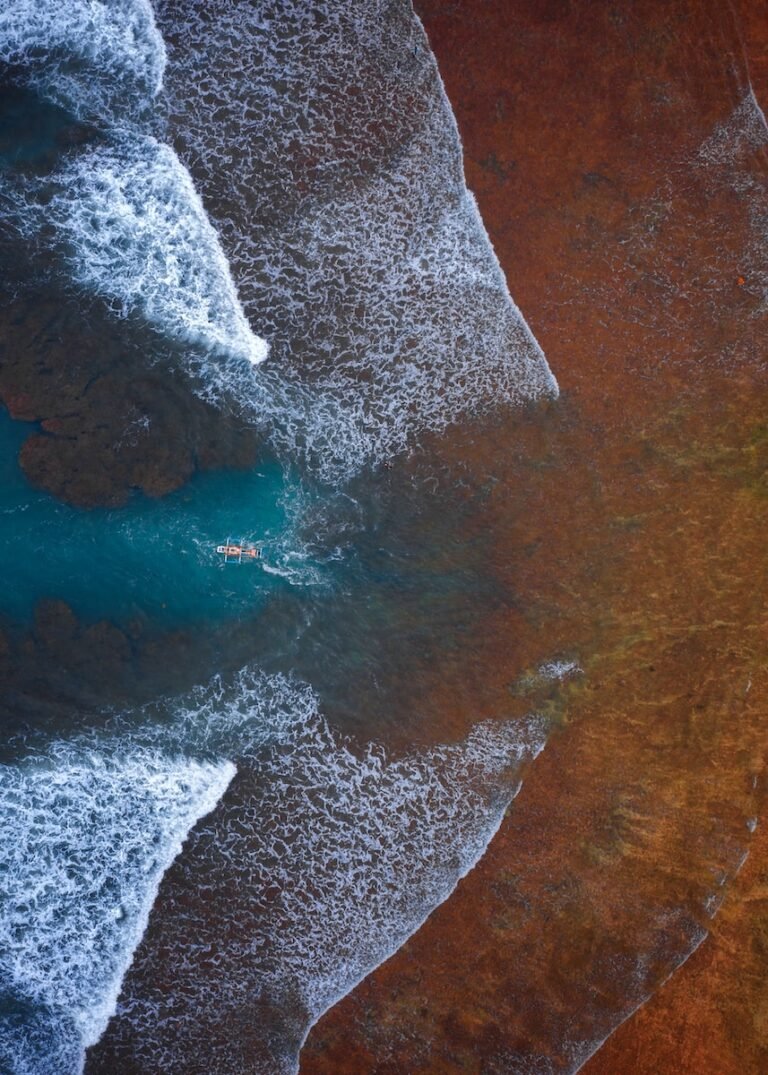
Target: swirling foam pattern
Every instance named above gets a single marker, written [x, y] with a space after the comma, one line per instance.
[87, 834]
[123, 216]
[135, 231]
[100, 59]
[321, 860]
[325, 150]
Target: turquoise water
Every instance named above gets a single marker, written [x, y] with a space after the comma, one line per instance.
[153, 558]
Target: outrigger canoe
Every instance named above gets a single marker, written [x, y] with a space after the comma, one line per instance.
[238, 554]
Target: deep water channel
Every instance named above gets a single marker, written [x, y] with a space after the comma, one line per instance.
[153, 558]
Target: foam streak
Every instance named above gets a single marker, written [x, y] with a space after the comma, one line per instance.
[86, 837]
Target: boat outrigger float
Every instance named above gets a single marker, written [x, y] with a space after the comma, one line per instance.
[238, 554]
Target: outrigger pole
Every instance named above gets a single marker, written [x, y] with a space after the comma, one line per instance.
[234, 554]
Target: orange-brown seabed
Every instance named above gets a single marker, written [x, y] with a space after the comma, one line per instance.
[619, 160]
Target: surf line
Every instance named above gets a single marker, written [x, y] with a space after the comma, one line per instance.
[90, 830]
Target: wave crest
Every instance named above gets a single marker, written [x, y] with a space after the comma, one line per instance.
[100, 59]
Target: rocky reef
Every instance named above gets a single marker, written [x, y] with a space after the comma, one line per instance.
[112, 418]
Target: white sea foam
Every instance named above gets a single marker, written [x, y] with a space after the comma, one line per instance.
[100, 59]
[326, 151]
[744, 131]
[728, 157]
[126, 212]
[559, 669]
[137, 233]
[87, 834]
[128, 225]
[324, 859]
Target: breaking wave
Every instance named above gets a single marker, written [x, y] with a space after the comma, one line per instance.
[100, 59]
[333, 209]
[88, 832]
[314, 864]
[122, 213]
[321, 860]
[322, 141]
[134, 231]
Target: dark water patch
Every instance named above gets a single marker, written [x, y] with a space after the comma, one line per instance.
[412, 591]
[363, 593]
[33, 132]
[118, 411]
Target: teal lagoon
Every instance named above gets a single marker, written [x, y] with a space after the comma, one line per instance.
[152, 558]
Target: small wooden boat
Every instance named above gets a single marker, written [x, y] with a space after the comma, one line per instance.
[238, 553]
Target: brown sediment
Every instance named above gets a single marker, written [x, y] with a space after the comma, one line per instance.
[713, 1015]
[628, 523]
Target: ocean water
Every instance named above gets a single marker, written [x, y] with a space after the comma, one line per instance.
[275, 190]
[155, 559]
[324, 858]
[322, 143]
